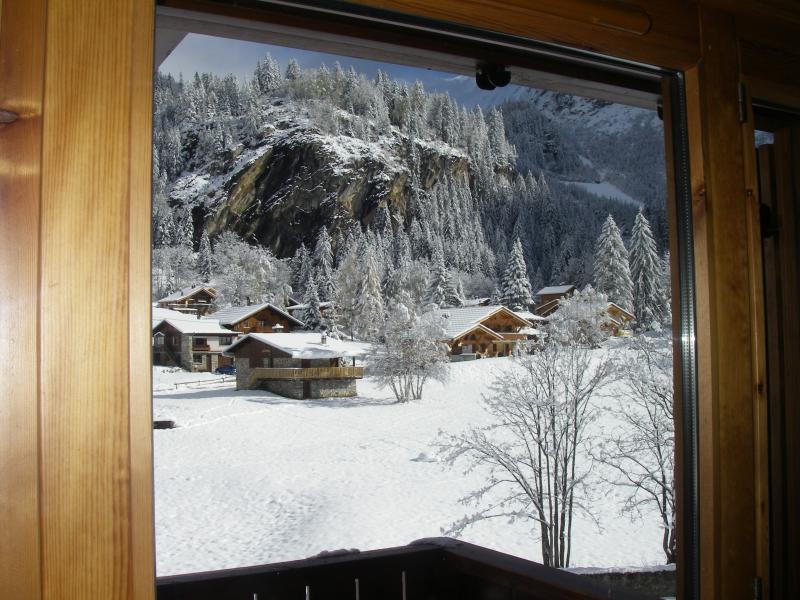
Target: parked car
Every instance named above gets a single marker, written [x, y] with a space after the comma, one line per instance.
[226, 370]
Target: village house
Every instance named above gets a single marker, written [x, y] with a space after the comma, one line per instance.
[297, 365]
[196, 300]
[257, 318]
[546, 300]
[483, 331]
[296, 310]
[193, 344]
[618, 318]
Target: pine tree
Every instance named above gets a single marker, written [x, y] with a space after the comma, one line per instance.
[311, 314]
[648, 295]
[666, 287]
[302, 270]
[205, 262]
[612, 274]
[323, 265]
[442, 290]
[515, 288]
[368, 304]
[292, 70]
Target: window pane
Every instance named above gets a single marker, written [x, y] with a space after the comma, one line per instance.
[460, 310]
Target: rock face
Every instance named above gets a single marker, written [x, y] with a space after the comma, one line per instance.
[301, 180]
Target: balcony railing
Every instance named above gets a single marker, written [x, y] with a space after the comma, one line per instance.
[436, 569]
[201, 348]
[309, 373]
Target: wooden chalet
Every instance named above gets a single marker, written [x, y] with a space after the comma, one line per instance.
[546, 300]
[618, 318]
[196, 300]
[297, 365]
[482, 331]
[296, 310]
[257, 318]
[193, 344]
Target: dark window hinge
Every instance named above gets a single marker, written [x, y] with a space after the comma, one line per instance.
[758, 589]
[742, 103]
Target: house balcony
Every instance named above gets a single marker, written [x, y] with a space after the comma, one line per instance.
[438, 568]
[201, 348]
[513, 336]
[261, 373]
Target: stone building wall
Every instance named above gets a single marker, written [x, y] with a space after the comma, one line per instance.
[243, 370]
[290, 389]
[333, 388]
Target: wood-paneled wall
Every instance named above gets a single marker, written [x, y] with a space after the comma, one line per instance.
[21, 69]
[75, 440]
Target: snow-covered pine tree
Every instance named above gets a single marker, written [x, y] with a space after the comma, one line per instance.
[205, 258]
[323, 266]
[666, 287]
[293, 71]
[369, 313]
[268, 75]
[302, 270]
[311, 315]
[612, 273]
[515, 288]
[442, 290]
[648, 296]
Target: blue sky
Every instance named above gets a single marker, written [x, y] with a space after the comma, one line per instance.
[202, 53]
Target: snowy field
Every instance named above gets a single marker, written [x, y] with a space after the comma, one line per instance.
[251, 477]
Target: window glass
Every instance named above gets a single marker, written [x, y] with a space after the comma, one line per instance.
[490, 267]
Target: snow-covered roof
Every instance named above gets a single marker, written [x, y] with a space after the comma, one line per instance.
[622, 310]
[234, 314]
[458, 321]
[197, 326]
[188, 291]
[529, 316]
[555, 289]
[475, 301]
[162, 314]
[291, 309]
[306, 344]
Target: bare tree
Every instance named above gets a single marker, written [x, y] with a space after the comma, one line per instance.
[411, 353]
[541, 408]
[641, 450]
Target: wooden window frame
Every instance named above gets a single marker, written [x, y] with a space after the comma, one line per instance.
[75, 70]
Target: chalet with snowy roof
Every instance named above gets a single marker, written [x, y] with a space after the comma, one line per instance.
[196, 300]
[298, 364]
[547, 298]
[296, 310]
[193, 344]
[257, 318]
[482, 331]
[618, 318]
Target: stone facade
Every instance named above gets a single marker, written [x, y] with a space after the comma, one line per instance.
[333, 388]
[243, 372]
[288, 388]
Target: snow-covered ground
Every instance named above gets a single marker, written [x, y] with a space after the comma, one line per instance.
[251, 477]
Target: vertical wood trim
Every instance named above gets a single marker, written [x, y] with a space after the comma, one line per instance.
[140, 331]
[725, 315]
[95, 481]
[21, 73]
[758, 359]
[706, 347]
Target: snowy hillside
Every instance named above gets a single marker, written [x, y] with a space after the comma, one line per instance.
[251, 477]
[275, 159]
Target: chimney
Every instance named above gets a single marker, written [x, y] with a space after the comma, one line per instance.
[324, 338]
[277, 328]
[248, 300]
